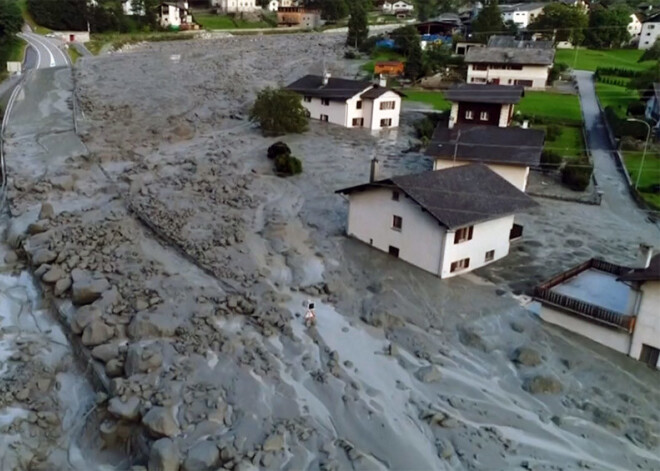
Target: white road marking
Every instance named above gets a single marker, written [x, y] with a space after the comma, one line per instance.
[35, 47]
[64, 56]
[50, 53]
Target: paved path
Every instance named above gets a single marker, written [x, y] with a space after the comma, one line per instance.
[48, 50]
[616, 196]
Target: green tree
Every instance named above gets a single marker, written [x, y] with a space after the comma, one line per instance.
[608, 27]
[11, 19]
[425, 9]
[562, 22]
[358, 25]
[279, 112]
[334, 10]
[405, 38]
[415, 68]
[488, 22]
[437, 57]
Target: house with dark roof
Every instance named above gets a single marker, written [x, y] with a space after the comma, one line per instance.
[528, 67]
[650, 31]
[478, 132]
[521, 14]
[498, 40]
[347, 102]
[174, 15]
[614, 305]
[446, 222]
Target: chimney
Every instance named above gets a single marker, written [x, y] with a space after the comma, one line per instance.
[382, 81]
[326, 77]
[373, 175]
[645, 255]
[525, 124]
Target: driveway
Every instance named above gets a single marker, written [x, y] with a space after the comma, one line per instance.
[616, 196]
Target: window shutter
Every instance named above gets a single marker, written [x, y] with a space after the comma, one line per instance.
[470, 232]
[456, 237]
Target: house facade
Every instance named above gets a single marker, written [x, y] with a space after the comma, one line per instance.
[527, 67]
[430, 220]
[521, 14]
[174, 15]
[397, 7]
[634, 27]
[348, 103]
[236, 6]
[650, 31]
[127, 8]
[610, 304]
[298, 17]
[391, 68]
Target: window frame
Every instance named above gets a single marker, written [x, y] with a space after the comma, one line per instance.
[397, 223]
[490, 256]
[325, 101]
[385, 122]
[388, 105]
[483, 116]
[358, 105]
[307, 99]
[464, 234]
[459, 265]
[469, 114]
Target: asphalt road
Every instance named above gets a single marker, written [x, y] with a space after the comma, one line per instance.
[47, 51]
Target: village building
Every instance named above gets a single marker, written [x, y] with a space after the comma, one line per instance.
[462, 47]
[397, 7]
[236, 6]
[129, 8]
[521, 14]
[528, 67]
[498, 40]
[634, 27]
[447, 222]
[650, 31]
[174, 15]
[298, 17]
[610, 304]
[349, 103]
[389, 68]
[652, 110]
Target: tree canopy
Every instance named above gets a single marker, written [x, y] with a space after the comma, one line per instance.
[279, 112]
[561, 22]
[358, 25]
[488, 22]
[608, 27]
[11, 20]
[334, 10]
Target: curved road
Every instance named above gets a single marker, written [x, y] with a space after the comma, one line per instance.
[48, 52]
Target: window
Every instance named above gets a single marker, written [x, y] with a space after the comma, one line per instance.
[524, 83]
[649, 355]
[397, 222]
[651, 26]
[358, 105]
[490, 255]
[459, 265]
[480, 67]
[393, 251]
[463, 235]
[483, 116]
[469, 114]
[384, 123]
[324, 117]
[387, 105]
[358, 122]
[307, 99]
[325, 101]
[395, 196]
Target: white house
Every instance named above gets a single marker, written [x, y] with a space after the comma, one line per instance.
[528, 67]
[397, 7]
[650, 31]
[634, 27]
[610, 304]
[273, 5]
[236, 6]
[447, 222]
[127, 7]
[349, 103]
[174, 15]
[521, 13]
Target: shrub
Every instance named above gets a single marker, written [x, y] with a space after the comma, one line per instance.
[636, 108]
[288, 165]
[552, 132]
[550, 160]
[279, 112]
[630, 143]
[424, 127]
[350, 54]
[277, 149]
[577, 175]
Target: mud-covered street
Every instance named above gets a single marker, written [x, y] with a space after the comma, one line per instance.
[179, 264]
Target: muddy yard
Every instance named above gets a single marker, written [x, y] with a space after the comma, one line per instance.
[181, 263]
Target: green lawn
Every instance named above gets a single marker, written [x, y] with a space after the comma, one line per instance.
[650, 173]
[117, 40]
[382, 54]
[569, 144]
[617, 97]
[588, 59]
[211, 21]
[22, 4]
[437, 99]
[550, 105]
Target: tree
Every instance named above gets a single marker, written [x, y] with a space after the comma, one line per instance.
[488, 22]
[511, 28]
[562, 22]
[11, 19]
[279, 112]
[405, 38]
[415, 69]
[608, 27]
[652, 53]
[438, 57]
[358, 26]
[334, 10]
[425, 9]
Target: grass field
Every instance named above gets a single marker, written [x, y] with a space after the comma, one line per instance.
[589, 59]
[378, 55]
[437, 99]
[117, 40]
[551, 105]
[569, 144]
[11, 50]
[650, 173]
[73, 54]
[211, 21]
[615, 96]
[22, 4]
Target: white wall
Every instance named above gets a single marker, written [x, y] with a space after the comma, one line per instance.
[537, 73]
[649, 34]
[420, 239]
[378, 114]
[236, 6]
[615, 339]
[504, 115]
[273, 5]
[635, 26]
[647, 325]
[489, 235]
[515, 174]
[336, 110]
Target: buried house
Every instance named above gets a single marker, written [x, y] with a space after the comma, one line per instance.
[446, 222]
[349, 103]
[616, 306]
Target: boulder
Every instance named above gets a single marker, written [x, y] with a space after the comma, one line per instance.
[97, 332]
[62, 286]
[203, 456]
[53, 275]
[106, 352]
[526, 356]
[84, 316]
[274, 443]
[164, 456]
[141, 359]
[152, 324]
[87, 288]
[42, 256]
[47, 211]
[128, 410]
[114, 368]
[63, 183]
[428, 374]
[542, 385]
[11, 257]
[161, 422]
[38, 227]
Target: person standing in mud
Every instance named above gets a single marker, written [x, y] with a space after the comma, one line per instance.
[310, 315]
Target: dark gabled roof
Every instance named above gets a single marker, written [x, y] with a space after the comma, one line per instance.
[521, 7]
[487, 144]
[650, 273]
[654, 18]
[377, 91]
[458, 196]
[510, 41]
[509, 55]
[336, 88]
[485, 93]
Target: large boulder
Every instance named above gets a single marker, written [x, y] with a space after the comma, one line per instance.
[542, 385]
[53, 275]
[87, 288]
[128, 410]
[141, 359]
[106, 352]
[526, 356]
[164, 456]
[84, 316]
[428, 374]
[152, 324]
[96, 333]
[161, 422]
[47, 211]
[202, 457]
[42, 256]
[274, 443]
